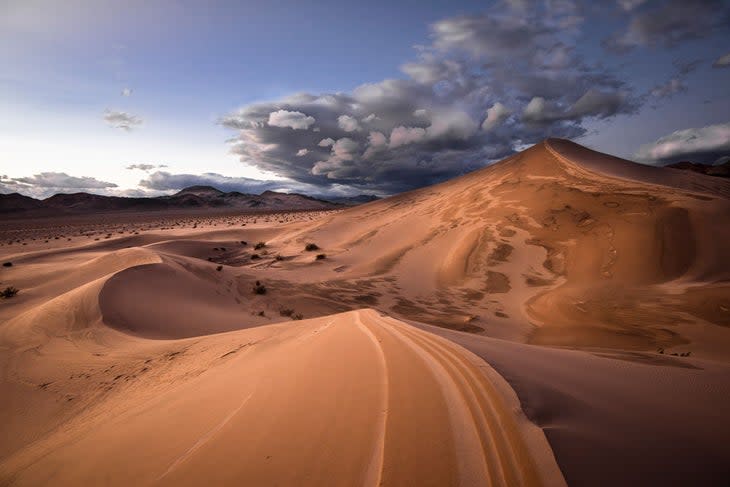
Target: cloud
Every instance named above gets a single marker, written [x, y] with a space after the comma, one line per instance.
[293, 120]
[145, 167]
[629, 5]
[593, 103]
[670, 23]
[45, 184]
[167, 182]
[126, 91]
[496, 114]
[302, 152]
[398, 134]
[348, 123]
[121, 120]
[722, 62]
[405, 135]
[63, 180]
[668, 89]
[704, 145]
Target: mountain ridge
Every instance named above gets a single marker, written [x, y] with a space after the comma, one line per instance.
[193, 197]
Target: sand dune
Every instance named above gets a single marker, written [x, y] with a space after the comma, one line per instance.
[337, 400]
[427, 353]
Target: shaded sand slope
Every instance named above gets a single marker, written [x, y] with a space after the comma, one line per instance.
[349, 399]
[544, 239]
[627, 419]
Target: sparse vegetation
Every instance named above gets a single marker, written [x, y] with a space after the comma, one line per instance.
[219, 268]
[9, 292]
[255, 256]
[311, 247]
[297, 316]
[321, 256]
[243, 242]
[286, 312]
[261, 313]
[259, 288]
[7, 264]
[259, 245]
[279, 257]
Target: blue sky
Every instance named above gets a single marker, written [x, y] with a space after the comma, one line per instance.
[184, 92]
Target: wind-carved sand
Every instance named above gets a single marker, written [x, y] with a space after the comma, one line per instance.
[525, 324]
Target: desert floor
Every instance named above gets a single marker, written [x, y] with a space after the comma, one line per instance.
[561, 317]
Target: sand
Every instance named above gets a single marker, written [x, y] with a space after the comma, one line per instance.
[520, 325]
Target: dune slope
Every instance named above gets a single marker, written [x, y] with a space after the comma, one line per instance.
[349, 399]
[556, 245]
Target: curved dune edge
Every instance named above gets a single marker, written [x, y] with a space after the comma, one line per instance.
[75, 306]
[348, 399]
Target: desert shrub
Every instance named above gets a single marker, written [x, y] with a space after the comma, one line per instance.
[261, 313]
[219, 268]
[310, 247]
[259, 288]
[297, 316]
[259, 245]
[7, 264]
[321, 256]
[286, 312]
[243, 242]
[9, 292]
[255, 256]
[279, 257]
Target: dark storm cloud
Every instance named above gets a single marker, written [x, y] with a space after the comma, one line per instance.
[706, 145]
[485, 85]
[668, 23]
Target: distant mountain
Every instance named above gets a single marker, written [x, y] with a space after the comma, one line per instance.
[194, 197]
[720, 170]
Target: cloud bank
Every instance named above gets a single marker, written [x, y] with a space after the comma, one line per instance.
[46, 184]
[705, 145]
[484, 85]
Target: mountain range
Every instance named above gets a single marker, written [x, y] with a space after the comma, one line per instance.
[193, 197]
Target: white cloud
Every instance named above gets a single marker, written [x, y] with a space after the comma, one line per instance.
[344, 149]
[302, 152]
[326, 142]
[293, 120]
[496, 114]
[121, 120]
[703, 145]
[405, 135]
[348, 123]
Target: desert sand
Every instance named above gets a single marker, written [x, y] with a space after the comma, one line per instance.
[561, 317]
